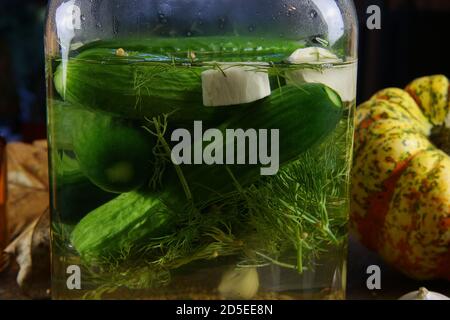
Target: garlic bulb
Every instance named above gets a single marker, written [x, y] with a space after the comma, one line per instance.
[424, 294]
[239, 283]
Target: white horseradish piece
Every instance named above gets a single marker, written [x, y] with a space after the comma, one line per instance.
[231, 84]
[313, 55]
[341, 78]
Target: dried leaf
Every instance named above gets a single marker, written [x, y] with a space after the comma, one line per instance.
[28, 217]
[27, 179]
[4, 261]
[32, 252]
[24, 206]
[27, 165]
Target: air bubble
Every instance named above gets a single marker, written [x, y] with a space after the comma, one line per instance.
[251, 28]
[313, 14]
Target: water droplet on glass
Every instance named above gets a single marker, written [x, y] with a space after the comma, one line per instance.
[115, 26]
[162, 18]
[313, 14]
[221, 23]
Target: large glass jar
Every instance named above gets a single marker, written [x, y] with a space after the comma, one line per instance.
[200, 149]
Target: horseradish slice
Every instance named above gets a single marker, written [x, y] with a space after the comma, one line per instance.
[229, 84]
[341, 78]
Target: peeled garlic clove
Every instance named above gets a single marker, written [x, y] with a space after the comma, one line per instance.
[239, 283]
[424, 294]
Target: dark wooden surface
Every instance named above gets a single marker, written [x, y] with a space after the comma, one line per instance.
[9, 290]
[393, 284]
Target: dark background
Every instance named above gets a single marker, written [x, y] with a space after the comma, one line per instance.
[413, 42]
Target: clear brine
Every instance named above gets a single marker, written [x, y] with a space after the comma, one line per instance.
[139, 225]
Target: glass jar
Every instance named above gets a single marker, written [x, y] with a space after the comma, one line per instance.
[200, 149]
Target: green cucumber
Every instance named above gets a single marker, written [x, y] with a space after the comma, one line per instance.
[74, 194]
[119, 225]
[147, 82]
[114, 154]
[61, 116]
[134, 91]
[188, 49]
[305, 115]
[75, 200]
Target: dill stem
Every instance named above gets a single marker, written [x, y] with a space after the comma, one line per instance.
[178, 170]
[235, 181]
[276, 262]
[331, 235]
[299, 252]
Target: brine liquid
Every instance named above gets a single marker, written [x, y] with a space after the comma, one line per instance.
[315, 271]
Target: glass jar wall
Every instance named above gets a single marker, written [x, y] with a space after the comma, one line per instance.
[200, 149]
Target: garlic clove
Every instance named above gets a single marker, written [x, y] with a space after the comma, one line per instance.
[424, 294]
[239, 283]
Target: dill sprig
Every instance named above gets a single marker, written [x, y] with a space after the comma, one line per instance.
[289, 220]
